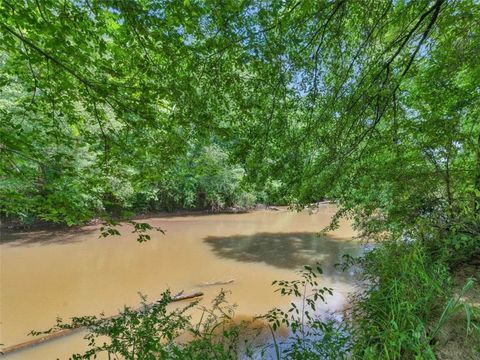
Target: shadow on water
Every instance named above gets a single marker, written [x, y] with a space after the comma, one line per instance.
[286, 250]
[45, 237]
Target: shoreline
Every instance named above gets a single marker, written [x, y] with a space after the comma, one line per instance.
[12, 226]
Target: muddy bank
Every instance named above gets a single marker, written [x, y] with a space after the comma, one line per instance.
[456, 340]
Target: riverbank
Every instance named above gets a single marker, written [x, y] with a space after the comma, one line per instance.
[12, 225]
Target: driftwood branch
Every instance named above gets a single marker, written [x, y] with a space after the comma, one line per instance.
[214, 283]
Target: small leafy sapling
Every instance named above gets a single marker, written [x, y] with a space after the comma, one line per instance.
[310, 335]
[309, 293]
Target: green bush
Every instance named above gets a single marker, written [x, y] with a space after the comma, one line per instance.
[153, 332]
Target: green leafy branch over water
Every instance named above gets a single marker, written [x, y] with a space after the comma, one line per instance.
[110, 228]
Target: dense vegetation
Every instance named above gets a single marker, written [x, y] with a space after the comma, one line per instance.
[114, 107]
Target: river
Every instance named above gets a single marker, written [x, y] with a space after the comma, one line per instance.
[50, 274]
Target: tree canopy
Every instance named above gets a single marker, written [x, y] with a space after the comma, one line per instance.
[109, 104]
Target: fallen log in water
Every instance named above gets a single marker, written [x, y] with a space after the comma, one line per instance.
[62, 333]
[180, 296]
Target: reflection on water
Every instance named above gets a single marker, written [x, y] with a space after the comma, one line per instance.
[286, 250]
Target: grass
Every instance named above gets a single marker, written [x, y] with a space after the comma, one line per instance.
[406, 289]
[409, 300]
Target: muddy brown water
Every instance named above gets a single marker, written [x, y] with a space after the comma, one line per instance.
[50, 274]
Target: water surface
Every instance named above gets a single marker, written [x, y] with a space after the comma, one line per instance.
[50, 274]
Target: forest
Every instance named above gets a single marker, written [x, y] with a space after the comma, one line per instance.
[111, 109]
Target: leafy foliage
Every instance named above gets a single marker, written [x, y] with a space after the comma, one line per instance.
[326, 99]
[154, 331]
[133, 105]
[406, 290]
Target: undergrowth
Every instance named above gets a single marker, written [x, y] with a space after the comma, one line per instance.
[408, 298]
